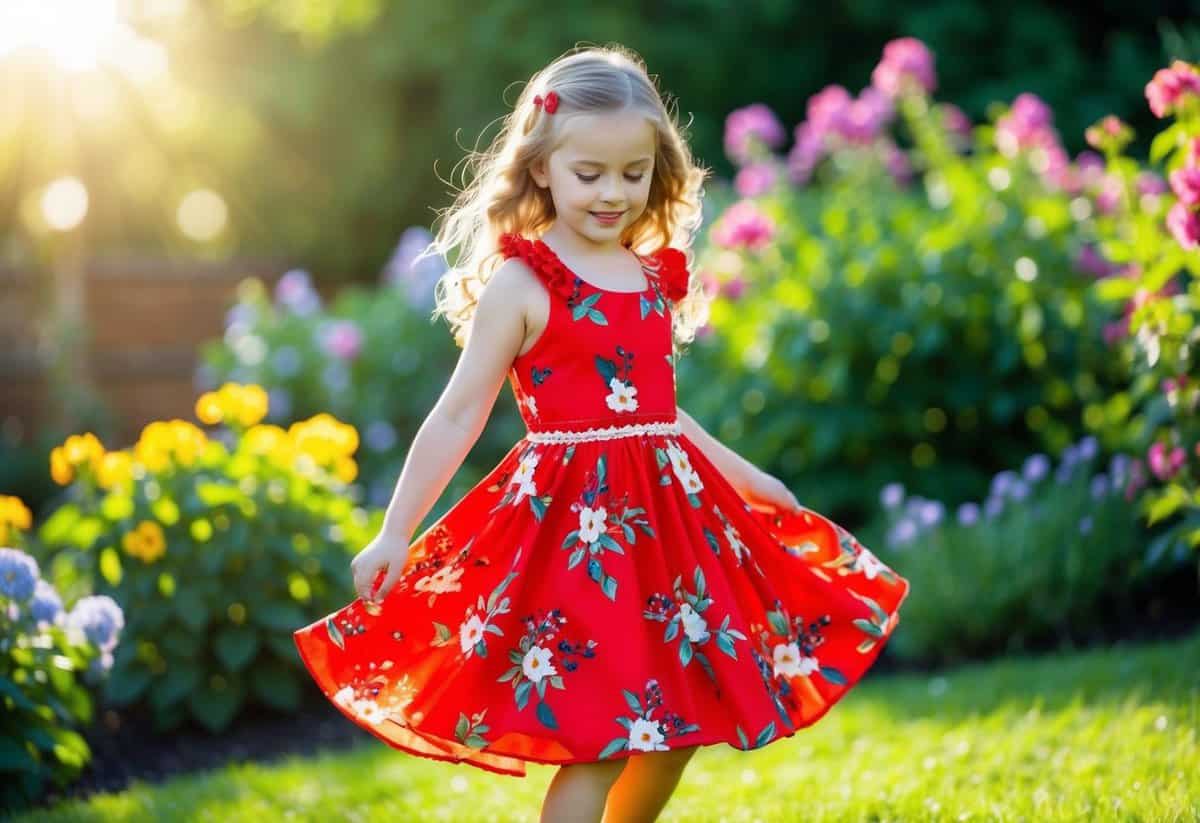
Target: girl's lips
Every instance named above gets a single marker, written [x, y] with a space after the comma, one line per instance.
[607, 215]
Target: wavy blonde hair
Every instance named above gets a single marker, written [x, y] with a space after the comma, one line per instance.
[502, 196]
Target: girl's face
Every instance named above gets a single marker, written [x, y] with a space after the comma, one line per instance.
[599, 176]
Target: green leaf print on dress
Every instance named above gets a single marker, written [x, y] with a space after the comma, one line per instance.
[593, 536]
[584, 308]
[472, 631]
[621, 397]
[534, 663]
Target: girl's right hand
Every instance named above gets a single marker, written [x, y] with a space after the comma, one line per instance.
[383, 552]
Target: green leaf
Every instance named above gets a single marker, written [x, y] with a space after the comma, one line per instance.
[546, 716]
[1164, 142]
[275, 685]
[833, 676]
[236, 646]
[15, 756]
[126, 684]
[191, 609]
[609, 587]
[284, 617]
[215, 708]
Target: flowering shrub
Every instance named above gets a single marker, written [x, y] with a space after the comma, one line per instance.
[1148, 247]
[372, 360]
[216, 547]
[885, 312]
[1050, 554]
[45, 653]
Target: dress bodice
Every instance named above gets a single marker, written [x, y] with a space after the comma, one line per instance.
[605, 357]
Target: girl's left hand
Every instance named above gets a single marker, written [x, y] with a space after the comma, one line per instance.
[768, 493]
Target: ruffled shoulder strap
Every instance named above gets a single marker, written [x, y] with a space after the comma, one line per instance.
[669, 266]
[542, 259]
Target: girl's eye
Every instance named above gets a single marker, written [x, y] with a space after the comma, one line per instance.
[595, 177]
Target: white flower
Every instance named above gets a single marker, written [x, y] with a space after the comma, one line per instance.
[523, 476]
[368, 711]
[441, 581]
[531, 404]
[591, 523]
[789, 662]
[694, 625]
[470, 633]
[681, 464]
[868, 564]
[345, 697]
[538, 663]
[645, 736]
[622, 397]
[692, 484]
[525, 489]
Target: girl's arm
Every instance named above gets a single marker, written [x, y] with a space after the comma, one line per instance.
[462, 411]
[737, 470]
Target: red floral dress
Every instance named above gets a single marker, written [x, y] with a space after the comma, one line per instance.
[604, 590]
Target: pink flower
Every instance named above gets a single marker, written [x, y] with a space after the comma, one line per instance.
[1184, 226]
[1108, 198]
[955, 120]
[1193, 153]
[1186, 184]
[806, 153]
[907, 64]
[755, 179]
[343, 339]
[828, 107]
[862, 121]
[743, 226]
[897, 162]
[1092, 262]
[1164, 465]
[1148, 182]
[734, 287]
[1171, 85]
[749, 125]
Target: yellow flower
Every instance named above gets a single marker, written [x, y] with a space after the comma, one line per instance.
[83, 449]
[163, 442]
[346, 469]
[14, 516]
[208, 409]
[60, 468]
[233, 403]
[115, 469]
[254, 404]
[145, 542]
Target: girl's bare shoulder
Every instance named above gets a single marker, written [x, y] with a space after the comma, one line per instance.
[517, 285]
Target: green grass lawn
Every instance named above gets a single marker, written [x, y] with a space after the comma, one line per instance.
[1102, 735]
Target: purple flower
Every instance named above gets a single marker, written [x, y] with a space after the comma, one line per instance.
[734, 287]
[414, 270]
[749, 125]
[1036, 467]
[904, 531]
[907, 64]
[1001, 482]
[1184, 226]
[1171, 85]
[892, 495]
[1099, 485]
[279, 403]
[897, 163]
[863, 120]
[968, 514]
[1091, 262]
[993, 506]
[18, 574]
[1088, 446]
[743, 226]
[1185, 182]
[755, 179]
[46, 605]
[931, 513]
[379, 435]
[343, 339]
[1028, 123]
[955, 121]
[295, 292]
[100, 619]
[1019, 490]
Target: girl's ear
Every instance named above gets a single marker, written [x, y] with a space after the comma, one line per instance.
[537, 170]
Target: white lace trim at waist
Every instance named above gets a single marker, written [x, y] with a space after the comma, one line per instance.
[606, 433]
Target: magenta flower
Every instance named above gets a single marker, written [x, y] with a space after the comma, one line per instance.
[897, 162]
[1170, 86]
[1027, 123]
[1184, 226]
[1108, 134]
[743, 226]
[1090, 261]
[1108, 198]
[1193, 153]
[749, 125]
[863, 120]
[1164, 465]
[734, 287]
[755, 179]
[907, 64]
[1185, 182]
[343, 339]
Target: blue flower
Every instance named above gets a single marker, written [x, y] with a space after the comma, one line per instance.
[18, 574]
[46, 605]
[100, 619]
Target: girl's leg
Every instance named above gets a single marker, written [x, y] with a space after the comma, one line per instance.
[645, 785]
[578, 790]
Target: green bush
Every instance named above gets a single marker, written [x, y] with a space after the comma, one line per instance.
[217, 549]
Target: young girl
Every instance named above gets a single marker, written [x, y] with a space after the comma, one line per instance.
[621, 588]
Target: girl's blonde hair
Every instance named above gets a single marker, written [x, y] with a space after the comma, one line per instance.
[502, 196]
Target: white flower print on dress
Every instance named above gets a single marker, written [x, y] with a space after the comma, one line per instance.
[531, 404]
[538, 663]
[694, 626]
[681, 466]
[645, 736]
[867, 563]
[441, 581]
[789, 662]
[470, 633]
[523, 476]
[622, 397]
[591, 523]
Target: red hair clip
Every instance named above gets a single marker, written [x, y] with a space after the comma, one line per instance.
[549, 102]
